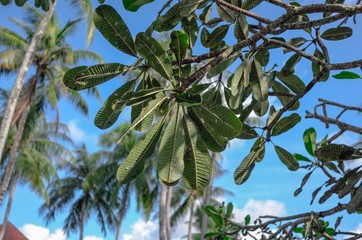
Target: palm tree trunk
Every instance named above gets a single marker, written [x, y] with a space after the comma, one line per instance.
[19, 81]
[82, 217]
[167, 213]
[8, 206]
[19, 135]
[162, 213]
[189, 235]
[122, 211]
[207, 196]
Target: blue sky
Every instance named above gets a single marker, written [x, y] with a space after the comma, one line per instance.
[270, 188]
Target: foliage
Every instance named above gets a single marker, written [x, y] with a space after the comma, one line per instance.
[192, 108]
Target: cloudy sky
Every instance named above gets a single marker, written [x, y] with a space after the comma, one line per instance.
[270, 187]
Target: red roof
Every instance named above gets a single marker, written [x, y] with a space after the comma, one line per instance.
[12, 233]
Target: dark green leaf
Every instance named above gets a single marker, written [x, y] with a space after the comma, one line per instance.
[134, 164]
[114, 29]
[286, 123]
[107, 116]
[83, 77]
[335, 34]
[151, 50]
[170, 160]
[197, 171]
[309, 138]
[179, 44]
[287, 158]
[134, 5]
[347, 75]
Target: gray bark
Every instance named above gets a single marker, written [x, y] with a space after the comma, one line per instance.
[162, 213]
[19, 81]
[8, 206]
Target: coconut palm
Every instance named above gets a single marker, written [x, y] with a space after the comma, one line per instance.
[84, 190]
[45, 88]
[145, 186]
[37, 158]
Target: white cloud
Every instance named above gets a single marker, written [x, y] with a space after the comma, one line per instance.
[358, 228]
[33, 232]
[256, 208]
[142, 230]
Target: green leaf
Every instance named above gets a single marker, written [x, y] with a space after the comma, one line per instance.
[316, 68]
[222, 119]
[215, 37]
[191, 28]
[293, 82]
[152, 51]
[287, 158]
[189, 6]
[150, 109]
[279, 88]
[189, 100]
[347, 75]
[134, 164]
[179, 44]
[250, 4]
[259, 85]
[114, 29]
[241, 28]
[335, 34]
[83, 77]
[214, 141]
[134, 5]
[286, 123]
[107, 115]
[296, 42]
[170, 160]
[169, 20]
[309, 138]
[197, 171]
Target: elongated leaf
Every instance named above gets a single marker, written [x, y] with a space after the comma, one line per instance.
[107, 116]
[279, 88]
[215, 37]
[309, 138]
[258, 82]
[222, 119]
[170, 160]
[250, 4]
[241, 28]
[286, 123]
[287, 158]
[169, 20]
[189, 6]
[151, 50]
[335, 34]
[197, 171]
[134, 164]
[214, 141]
[179, 44]
[134, 98]
[245, 168]
[293, 82]
[347, 75]
[83, 77]
[191, 28]
[150, 109]
[114, 29]
[134, 5]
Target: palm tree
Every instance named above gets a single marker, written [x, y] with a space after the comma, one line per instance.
[84, 189]
[37, 159]
[53, 58]
[145, 186]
